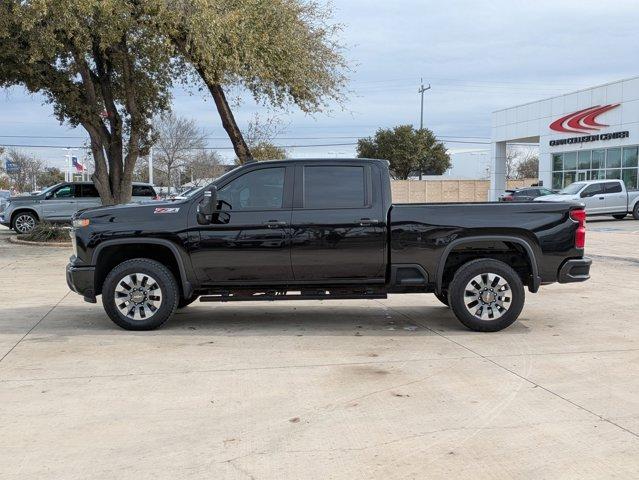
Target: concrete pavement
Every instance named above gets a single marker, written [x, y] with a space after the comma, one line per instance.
[304, 390]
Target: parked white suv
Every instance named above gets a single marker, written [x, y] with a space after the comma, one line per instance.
[601, 197]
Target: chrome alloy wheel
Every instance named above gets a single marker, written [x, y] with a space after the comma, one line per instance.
[487, 296]
[24, 223]
[138, 296]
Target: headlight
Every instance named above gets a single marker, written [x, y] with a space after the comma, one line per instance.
[81, 222]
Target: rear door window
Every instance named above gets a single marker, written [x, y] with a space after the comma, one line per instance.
[612, 187]
[143, 191]
[334, 187]
[88, 191]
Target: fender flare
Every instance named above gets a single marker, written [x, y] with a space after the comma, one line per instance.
[187, 286]
[536, 281]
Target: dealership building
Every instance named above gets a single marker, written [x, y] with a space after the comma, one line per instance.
[585, 135]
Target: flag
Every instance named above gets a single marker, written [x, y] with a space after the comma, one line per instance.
[77, 165]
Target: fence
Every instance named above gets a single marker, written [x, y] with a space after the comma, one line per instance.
[437, 191]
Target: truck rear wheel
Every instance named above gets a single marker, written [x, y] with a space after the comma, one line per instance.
[140, 294]
[486, 295]
[635, 211]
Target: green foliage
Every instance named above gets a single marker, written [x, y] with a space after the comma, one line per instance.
[49, 176]
[47, 232]
[265, 150]
[408, 150]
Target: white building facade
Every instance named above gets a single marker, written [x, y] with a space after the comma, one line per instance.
[585, 135]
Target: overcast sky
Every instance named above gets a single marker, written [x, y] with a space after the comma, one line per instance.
[478, 56]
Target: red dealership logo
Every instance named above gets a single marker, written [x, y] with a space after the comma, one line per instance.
[583, 121]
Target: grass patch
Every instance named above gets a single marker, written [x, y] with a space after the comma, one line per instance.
[48, 232]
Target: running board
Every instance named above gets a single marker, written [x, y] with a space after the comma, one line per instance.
[268, 298]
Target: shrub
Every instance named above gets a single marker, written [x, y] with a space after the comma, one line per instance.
[48, 232]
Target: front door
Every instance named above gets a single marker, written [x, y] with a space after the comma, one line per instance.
[249, 241]
[339, 227]
[60, 204]
[593, 198]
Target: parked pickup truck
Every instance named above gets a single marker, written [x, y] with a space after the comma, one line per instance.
[600, 197]
[58, 203]
[321, 229]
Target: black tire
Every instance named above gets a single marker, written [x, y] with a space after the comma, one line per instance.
[166, 283]
[185, 302]
[635, 211]
[458, 297]
[443, 297]
[619, 216]
[24, 222]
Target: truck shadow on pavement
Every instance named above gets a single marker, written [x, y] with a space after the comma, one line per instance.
[281, 319]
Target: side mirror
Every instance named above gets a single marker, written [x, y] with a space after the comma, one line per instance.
[207, 207]
[585, 194]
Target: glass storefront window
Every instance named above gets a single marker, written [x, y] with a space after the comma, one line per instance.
[557, 180]
[630, 157]
[618, 163]
[569, 177]
[613, 158]
[616, 174]
[570, 161]
[598, 159]
[629, 176]
[557, 162]
[583, 160]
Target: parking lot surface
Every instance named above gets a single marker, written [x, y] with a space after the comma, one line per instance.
[314, 390]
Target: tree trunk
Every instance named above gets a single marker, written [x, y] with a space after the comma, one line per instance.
[228, 122]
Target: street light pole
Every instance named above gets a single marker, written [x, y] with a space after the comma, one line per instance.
[151, 165]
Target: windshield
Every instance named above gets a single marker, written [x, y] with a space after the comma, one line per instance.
[572, 189]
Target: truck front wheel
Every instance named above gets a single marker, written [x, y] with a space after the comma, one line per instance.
[140, 294]
[486, 295]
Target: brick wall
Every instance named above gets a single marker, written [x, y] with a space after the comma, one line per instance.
[436, 191]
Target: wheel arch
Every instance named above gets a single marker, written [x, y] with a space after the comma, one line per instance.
[112, 252]
[20, 210]
[527, 248]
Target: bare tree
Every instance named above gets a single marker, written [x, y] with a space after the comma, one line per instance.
[25, 170]
[179, 139]
[259, 138]
[204, 166]
[521, 163]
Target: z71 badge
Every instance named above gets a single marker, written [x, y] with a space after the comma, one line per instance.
[166, 210]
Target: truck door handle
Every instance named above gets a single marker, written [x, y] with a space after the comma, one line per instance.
[602, 198]
[274, 223]
[368, 221]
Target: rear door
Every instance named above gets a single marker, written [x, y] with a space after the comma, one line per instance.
[616, 199]
[88, 196]
[338, 225]
[60, 204]
[593, 198]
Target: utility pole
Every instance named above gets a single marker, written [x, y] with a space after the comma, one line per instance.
[421, 91]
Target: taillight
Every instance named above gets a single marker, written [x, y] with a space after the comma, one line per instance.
[579, 216]
[507, 198]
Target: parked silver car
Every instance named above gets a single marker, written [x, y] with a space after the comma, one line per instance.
[58, 203]
[601, 197]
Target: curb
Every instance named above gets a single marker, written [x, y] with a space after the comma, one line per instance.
[15, 239]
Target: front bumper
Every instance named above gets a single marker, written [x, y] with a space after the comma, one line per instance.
[4, 220]
[81, 280]
[575, 270]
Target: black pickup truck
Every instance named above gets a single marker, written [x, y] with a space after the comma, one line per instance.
[321, 229]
